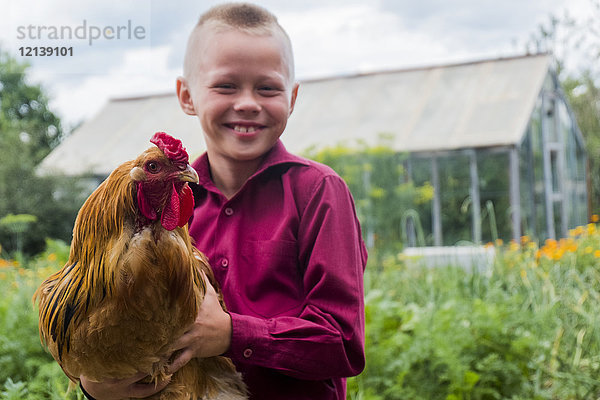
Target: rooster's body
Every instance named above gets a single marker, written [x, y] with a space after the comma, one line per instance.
[133, 282]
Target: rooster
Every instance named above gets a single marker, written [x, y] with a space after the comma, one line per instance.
[134, 281]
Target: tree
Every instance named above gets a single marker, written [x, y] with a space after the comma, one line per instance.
[576, 47]
[28, 132]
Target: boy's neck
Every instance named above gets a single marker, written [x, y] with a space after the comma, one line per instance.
[229, 176]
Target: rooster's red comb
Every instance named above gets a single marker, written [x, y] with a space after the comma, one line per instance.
[172, 147]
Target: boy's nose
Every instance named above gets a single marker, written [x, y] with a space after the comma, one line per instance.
[246, 102]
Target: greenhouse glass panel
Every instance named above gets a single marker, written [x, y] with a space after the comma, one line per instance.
[420, 170]
[455, 194]
[527, 184]
[494, 195]
[537, 146]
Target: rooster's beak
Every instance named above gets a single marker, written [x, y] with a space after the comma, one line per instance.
[188, 175]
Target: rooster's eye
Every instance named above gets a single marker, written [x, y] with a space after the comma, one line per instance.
[152, 167]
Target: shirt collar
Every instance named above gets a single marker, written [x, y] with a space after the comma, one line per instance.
[278, 155]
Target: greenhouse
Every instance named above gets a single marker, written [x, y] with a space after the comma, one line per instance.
[495, 139]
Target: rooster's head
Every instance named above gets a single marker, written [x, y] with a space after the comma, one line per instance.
[161, 175]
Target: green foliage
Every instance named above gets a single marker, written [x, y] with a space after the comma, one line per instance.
[14, 391]
[28, 132]
[526, 328]
[17, 224]
[27, 371]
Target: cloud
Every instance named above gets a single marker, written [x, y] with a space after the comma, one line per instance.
[142, 72]
[330, 37]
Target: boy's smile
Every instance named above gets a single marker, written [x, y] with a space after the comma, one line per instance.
[240, 88]
[245, 129]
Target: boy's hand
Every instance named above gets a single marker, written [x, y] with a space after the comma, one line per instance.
[122, 388]
[208, 336]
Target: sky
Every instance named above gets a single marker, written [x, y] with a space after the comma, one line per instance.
[135, 48]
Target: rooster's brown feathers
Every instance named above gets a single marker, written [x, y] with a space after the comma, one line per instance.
[133, 282]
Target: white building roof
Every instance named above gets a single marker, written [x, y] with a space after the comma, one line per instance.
[478, 104]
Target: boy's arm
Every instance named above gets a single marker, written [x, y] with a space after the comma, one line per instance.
[327, 338]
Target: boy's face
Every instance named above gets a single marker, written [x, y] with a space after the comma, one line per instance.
[239, 87]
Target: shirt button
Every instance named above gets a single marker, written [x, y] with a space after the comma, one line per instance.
[229, 211]
[247, 353]
[224, 263]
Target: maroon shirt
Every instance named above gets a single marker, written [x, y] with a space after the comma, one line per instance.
[288, 254]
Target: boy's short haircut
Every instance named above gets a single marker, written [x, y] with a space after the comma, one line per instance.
[246, 17]
[240, 15]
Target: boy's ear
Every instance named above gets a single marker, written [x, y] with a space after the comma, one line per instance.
[294, 95]
[185, 97]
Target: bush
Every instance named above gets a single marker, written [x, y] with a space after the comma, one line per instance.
[27, 371]
[527, 328]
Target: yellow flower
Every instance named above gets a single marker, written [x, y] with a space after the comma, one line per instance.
[557, 255]
[523, 273]
[595, 218]
[572, 232]
[499, 242]
[577, 231]
[51, 257]
[588, 250]
[597, 253]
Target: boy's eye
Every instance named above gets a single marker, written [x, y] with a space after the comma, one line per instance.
[268, 90]
[224, 87]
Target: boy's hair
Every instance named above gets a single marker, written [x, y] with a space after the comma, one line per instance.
[248, 18]
[240, 15]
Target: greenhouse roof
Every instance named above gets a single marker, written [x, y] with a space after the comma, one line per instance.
[478, 104]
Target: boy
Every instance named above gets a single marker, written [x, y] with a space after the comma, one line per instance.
[280, 231]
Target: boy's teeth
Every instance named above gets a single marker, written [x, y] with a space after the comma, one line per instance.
[244, 129]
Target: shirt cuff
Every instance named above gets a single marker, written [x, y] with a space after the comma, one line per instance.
[248, 335]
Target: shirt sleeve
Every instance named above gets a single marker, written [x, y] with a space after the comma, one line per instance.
[327, 339]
